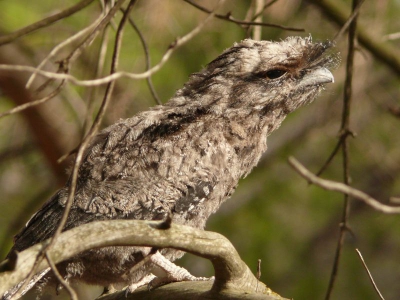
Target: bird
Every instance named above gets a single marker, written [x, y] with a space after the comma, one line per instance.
[184, 158]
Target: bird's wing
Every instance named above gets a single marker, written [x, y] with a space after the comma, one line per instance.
[43, 224]
[172, 166]
[124, 175]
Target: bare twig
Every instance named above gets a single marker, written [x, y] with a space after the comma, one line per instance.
[79, 155]
[108, 19]
[258, 9]
[254, 14]
[5, 39]
[391, 36]
[348, 22]
[178, 43]
[345, 130]
[29, 275]
[53, 267]
[93, 82]
[104, 21]
[64, 64]
[64, 43]
[394, 200]
[381, 51]
[369, 274]
[35, 102]
[343, 135]
[96, 125]
[148, 62]
[258, 274]
[342, 188]
[101, 57]
[229, 18]
[330, 158]
[261, 11]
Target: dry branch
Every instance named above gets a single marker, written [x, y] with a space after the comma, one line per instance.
[342, 188]
[369, 275]
[5, 39]
[344, 145]
[199, 290]
[337, 13]
[228, 17]
[231, 273]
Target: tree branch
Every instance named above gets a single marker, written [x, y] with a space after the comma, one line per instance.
[188, 290]
[342, 188]
[231, 273]
[5, 39]
[345, 130]
[369, 275]
[229, 18]
[337, 13]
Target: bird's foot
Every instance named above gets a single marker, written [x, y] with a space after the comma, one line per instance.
[164, 272]
[157, 281]
[145, 280]
[168, 272]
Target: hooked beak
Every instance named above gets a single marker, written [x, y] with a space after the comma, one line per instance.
[317, 76]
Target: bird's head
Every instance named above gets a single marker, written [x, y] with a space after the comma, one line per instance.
[264, 76]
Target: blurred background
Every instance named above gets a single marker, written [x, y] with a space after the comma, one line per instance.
[274, 215]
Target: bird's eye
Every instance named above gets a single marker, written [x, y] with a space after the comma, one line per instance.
[273, 74]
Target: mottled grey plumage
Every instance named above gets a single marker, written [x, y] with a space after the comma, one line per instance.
[187, 156]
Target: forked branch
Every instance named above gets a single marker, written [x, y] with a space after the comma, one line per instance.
[231, 273]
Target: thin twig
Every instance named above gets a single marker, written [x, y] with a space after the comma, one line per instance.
[369, 274]
[336, 11]
[64, 43]
[345, 129]
[96, 124]
[5, 39]
[395, 200]
[342, 188]
[100, 24]
[330, 158]
[65, 284]
[258, 9]
[91, 133]
[64, 64]
[263, 9]
[88, 41]
[100, 115]
[229, 18]
[112, 77]
[258, 274]
[346, 25]
[343, 135]
[148, 62]
[27, 280]
[35, 102]
[79, 156]
[101, 57]
[391, 36]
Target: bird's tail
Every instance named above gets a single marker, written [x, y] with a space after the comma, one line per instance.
[11, 293]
